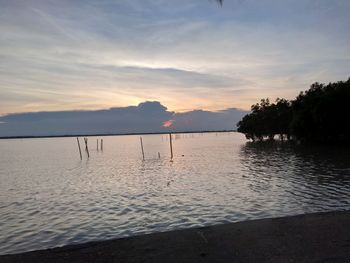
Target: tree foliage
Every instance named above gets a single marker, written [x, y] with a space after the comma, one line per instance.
[267, 120]
[321, 113]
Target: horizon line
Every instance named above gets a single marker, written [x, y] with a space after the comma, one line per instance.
[111, 134]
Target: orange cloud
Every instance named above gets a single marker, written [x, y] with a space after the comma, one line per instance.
[168, 123]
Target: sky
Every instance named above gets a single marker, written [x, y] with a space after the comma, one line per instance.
[187, 54]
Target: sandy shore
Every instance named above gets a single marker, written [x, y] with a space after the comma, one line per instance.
[321, 237]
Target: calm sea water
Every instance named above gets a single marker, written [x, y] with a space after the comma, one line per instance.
[49, 197]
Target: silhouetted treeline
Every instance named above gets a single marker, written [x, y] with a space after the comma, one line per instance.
[321, 113]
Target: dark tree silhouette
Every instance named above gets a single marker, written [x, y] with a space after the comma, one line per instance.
[322, 113]
[267, 120]
[319, 114]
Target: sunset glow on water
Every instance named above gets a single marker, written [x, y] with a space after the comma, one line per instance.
[49, 197]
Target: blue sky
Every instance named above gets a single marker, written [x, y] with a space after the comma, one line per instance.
[187, 54]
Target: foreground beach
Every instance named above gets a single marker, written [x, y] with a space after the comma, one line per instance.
[320, 237]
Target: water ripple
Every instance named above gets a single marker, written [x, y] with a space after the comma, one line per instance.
[54, 199]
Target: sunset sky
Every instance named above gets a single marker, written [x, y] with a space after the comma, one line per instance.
[187, 54]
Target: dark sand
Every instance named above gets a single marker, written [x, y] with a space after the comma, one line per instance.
[322, 237]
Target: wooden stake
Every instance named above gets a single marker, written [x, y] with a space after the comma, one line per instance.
[97, 144]
[143, 153]
[81, 157]
[101, 144]
[158, 155]
[171, 146]
[86, 147]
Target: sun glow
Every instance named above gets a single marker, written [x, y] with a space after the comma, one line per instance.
[168, 124]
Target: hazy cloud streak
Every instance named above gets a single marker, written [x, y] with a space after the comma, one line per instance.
[59, 55]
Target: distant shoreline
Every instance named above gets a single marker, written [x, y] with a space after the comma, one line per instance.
[318, 237]
[109, 134]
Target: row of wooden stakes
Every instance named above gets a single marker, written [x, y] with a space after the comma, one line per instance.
[87, 147]
[101, 147]
[171, 148]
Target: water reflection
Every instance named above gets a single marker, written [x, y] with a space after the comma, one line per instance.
[48, 197]
[314, 177]
[324, 163]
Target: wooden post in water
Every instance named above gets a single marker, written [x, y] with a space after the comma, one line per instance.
[171, 146]
[97, 144]
[143, 153]
[81, 157]
[158, 155]
[86, 147]
[101, 144]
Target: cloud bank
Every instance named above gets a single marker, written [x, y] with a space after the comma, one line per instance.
[147, 117]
